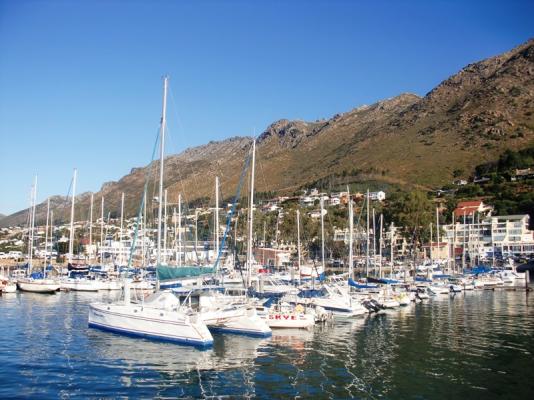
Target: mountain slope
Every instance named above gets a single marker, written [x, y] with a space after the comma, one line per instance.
[469, 118]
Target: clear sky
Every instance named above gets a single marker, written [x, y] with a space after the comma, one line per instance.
[80, 81]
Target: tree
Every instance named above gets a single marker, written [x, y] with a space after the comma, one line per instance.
[414, 211]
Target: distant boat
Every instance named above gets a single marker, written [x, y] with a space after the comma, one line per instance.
[36, 282]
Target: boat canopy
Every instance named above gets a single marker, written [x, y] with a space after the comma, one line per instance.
[166, 273]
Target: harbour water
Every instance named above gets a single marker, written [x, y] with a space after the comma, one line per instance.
[473, 345]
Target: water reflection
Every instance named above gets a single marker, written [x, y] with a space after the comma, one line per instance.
[469, 345]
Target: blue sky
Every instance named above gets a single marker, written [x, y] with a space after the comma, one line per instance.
[80, 81]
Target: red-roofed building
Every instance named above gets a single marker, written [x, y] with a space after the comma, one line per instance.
[470, 209]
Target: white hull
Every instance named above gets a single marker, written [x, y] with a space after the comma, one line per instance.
[110, 285]
[38, 285]
[294, 320]
[9, 288]
[236, 320]
[153, 323]
[80, 285]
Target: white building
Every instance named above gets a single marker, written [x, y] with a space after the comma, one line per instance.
[495, 235]
[377, 196]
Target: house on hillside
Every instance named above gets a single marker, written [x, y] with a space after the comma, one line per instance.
[472, 210]
[377, 196]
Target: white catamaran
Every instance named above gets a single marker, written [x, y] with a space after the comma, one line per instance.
[160, 316]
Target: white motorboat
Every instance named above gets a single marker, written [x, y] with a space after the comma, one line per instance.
[436, 289]
[223, 313]
[45, 285]
[337, 301]
[287, 316]
[159, 317]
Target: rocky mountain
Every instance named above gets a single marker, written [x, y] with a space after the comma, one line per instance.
[469, 118]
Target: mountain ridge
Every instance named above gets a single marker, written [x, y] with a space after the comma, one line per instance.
[407, 140]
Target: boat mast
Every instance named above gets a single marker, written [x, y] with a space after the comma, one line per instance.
[322, 232]
[216, 218]
[180, 229]
[175, 235]
[165, 227]
[33, 197]
[298, 240]
[374, 243]
[392, 239]
[102, 230]
[161, 155]
[121, 232]
[367, 245]
[437, 230]
[51, 234]
[91, 227]
[380, 245]
[46, 235]
[251, 215]
[351, 239]
[71, 238]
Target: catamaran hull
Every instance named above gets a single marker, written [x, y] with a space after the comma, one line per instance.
[135, 320]
[243, 322]
[45, 286]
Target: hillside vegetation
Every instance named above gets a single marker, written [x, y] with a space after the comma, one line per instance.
[406, 142]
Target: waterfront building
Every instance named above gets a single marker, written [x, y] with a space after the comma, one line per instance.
[500, 236]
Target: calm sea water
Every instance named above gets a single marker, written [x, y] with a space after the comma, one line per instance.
[477, 345]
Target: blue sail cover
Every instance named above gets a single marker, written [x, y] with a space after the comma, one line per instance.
[165, 273]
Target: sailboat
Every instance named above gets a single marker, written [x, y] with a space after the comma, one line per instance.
[221, 311]
[36, 282]
[161, 316]
[74, 283]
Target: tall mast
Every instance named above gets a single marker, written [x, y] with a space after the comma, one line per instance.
[437, 226]
[161, 156]
[33, 201]
[46, 235]
[102, 230]
[175, 236]
[196, 234]
[351, 239]
[298, 240]
[144, 230]
[381, 244]
[91, 226]
[121, 231]
[71, 239]
[51, 233]
[216, 217]
[180, 229]
[431, 253]
[374, 242]
[391, 242]
[165, 226]
[367, 245]
[322, 232]
[251, 215]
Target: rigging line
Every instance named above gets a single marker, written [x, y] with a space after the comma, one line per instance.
[141, 206]
[232, 210]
